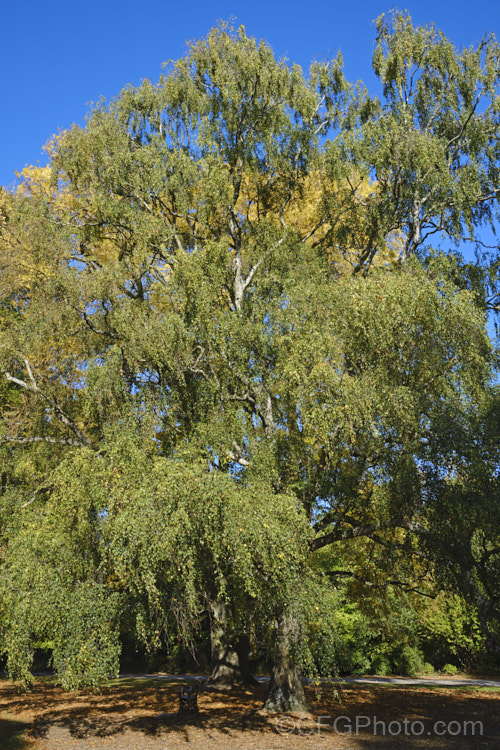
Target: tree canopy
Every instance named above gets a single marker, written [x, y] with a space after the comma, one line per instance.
[228, 346]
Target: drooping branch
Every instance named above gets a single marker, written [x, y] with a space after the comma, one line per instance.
[371, 531]
[341, 534]
[59, 412]
[397, 582]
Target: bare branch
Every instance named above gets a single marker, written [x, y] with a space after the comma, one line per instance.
[237, 457]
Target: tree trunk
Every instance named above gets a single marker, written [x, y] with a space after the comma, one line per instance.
[286, 691]
[243, 649]
[229, 656]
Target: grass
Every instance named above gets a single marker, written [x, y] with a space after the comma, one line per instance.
[140, 683]
[12, 733]
[426, 687]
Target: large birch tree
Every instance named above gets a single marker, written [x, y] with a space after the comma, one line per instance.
[230, 267]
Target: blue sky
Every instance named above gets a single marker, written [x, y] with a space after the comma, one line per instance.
[57, 57]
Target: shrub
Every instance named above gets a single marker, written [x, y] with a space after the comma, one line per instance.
[381, 665]
[450, 629]
[362, 666]
[450, 669]
[409, 660]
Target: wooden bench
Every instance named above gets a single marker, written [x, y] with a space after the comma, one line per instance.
[188, 698]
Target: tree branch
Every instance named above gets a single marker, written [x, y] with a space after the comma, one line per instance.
[43, 439]
[58, 411]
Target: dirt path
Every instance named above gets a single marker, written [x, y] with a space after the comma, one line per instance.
[141, 715]
[438, 681]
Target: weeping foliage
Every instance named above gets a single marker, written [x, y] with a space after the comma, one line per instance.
[226, 344]
[127, 535]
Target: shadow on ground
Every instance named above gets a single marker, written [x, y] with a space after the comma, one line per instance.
[368, 716]
[12, 733]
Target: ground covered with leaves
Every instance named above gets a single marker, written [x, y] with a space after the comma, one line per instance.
[142, 715]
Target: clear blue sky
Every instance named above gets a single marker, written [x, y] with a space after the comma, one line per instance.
[57, 57]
